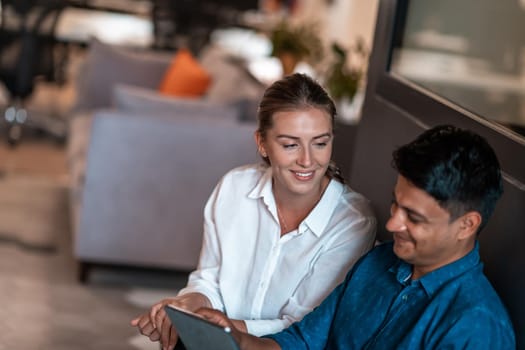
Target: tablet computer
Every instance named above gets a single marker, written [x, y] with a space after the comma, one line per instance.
[198, 333]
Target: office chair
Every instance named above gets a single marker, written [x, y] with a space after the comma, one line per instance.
[26, 53]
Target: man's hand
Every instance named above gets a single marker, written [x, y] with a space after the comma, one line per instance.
[245, 340]
[156, 324]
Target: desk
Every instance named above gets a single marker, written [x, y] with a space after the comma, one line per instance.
[77, 25]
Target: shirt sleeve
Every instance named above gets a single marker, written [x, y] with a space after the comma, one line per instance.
[478, 330]
[205, 279]
[325, 272]
[313, 330]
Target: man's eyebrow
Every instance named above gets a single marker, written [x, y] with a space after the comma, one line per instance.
[409, 211]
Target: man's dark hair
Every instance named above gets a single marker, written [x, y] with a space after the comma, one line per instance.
[456, 167]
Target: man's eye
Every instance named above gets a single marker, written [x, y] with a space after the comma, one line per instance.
[413, 219]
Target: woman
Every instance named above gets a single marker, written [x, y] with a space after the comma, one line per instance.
[279, 236]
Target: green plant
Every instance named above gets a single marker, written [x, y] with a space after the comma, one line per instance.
[301, 40]
[342, 79]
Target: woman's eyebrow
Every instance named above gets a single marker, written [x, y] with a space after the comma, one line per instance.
[285, 136]
[326, 134]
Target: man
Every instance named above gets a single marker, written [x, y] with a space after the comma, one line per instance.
[426, 289]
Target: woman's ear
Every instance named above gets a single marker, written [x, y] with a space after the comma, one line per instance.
[260, 144]
[469, 224]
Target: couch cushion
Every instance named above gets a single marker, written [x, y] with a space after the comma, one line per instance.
[106, 65]
[185, 77]
[134, 99]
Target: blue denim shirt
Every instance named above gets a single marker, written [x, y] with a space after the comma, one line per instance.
[378, 306]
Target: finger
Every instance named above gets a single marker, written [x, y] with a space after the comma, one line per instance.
[215, 316]
[138, 320]
[173, 338]
[147, 329]
[135, 322]
[222, 320]
[165, 333]
[154, 310]
[160, 319]
[154, 336]
[144, 322]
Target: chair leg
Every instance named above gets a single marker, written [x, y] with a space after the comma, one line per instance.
[14, 134]
[83, 272]
[15, 117]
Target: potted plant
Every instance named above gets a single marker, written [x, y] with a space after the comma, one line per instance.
[294, 43]
[344, 78]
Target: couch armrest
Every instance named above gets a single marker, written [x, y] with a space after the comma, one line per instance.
[148, 178]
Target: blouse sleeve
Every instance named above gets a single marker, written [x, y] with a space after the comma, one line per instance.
[205, 279]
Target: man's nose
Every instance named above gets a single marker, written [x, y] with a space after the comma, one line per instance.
[397, 220]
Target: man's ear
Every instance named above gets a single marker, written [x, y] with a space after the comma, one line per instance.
[469, 224]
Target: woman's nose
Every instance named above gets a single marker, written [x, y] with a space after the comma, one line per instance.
[305, 158]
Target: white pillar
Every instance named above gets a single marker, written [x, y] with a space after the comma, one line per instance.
[350, 19]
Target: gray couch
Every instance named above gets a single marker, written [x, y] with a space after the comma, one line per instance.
[142, 164]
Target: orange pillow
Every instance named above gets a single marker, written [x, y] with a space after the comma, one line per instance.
[185, 77]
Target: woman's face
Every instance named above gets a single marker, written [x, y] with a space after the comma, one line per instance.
[299, 148]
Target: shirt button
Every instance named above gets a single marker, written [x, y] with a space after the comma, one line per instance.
[405, 297]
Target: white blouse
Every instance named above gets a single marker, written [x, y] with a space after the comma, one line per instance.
[247, 270]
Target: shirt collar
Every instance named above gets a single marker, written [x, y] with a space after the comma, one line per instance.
[263, 188]
[318, 217]
[432, 281]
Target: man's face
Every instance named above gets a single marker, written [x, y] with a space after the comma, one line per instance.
[423, 233]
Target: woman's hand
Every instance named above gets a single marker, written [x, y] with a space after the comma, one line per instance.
[156, 324]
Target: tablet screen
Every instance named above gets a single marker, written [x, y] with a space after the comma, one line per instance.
[197, 333]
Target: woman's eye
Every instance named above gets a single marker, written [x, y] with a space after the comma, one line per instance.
[290, 146]
[321, 144]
